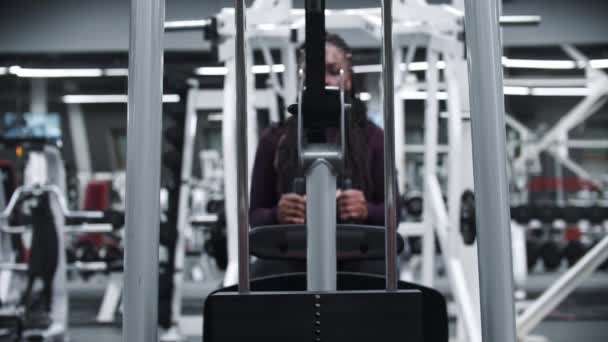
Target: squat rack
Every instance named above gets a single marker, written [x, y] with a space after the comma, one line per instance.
[143, 171]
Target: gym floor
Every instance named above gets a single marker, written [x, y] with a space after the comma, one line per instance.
[582, 317]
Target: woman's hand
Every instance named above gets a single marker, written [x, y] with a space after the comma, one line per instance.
[352, 205]
[292, 209]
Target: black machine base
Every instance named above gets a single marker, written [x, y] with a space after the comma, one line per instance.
[279, 309]
[360, 316]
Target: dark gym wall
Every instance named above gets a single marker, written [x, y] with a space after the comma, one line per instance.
[97, 26]
[100, 120]
[87, 26]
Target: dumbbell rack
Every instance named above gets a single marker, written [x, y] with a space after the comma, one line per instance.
[547, 225]
[577, 273]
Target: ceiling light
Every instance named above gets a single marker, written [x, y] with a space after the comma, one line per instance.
[421, 95]
[421, 66]
[52, 73]
[267, 27]
[506, 62]
[215, 117]
[599, 63]
[365, 96]
[265, 69]
[366, 69]
[222, 71]
[171, 98]
[559, 91]
[211, 71]
[71, 99]
[538, 63]
[186, 24]
[520, 19]
[516, 90]
[116, 72]
[455, 11]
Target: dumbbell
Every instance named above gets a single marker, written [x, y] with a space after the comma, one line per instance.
[216, 247]
[115, 218]
[604, 266]
[596, 214]
[415, 243]
[86, 251]
[214, 206]
[70, 255]
[574, 249]
[534, 245]
[112, 255]
[545, 213]
[521, 214]
[551, 253]
[533, 248]
[468, 225]
[413, 204]
[598, 233]
[570, 214]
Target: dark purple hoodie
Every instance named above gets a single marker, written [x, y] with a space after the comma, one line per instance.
[265, 195]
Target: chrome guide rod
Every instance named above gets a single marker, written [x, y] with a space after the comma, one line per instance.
[143, 170]
[389, 146]
[241, 122]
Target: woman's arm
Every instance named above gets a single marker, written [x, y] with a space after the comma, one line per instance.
[263, 199]
[375, 205]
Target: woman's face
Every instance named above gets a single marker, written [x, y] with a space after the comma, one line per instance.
[336, 59]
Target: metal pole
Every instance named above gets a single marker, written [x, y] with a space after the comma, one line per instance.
[389, 146]
[484, 53]
[38, 96]
[560, 289]
[321, 227]
[241, 110]
[80, 140]
[143, 170]
[184, 196]
[559, 177]
[431, 129]
[400, 156]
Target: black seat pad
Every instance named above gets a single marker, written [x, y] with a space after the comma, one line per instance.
[288, 242]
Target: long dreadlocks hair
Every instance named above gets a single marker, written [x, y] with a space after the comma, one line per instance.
[357, 166]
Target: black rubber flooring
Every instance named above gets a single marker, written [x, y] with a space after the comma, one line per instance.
[582, 317]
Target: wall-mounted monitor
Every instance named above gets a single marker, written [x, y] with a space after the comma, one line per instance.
[30, 126]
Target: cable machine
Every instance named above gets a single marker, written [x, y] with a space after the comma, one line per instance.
[487, 111]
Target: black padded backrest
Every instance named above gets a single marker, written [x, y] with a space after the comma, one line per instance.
[288, 242]
[434, 318]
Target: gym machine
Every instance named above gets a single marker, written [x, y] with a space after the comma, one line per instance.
[587, 216]
[556, 140]
[143, 176]
[321, 312]
[39, 209]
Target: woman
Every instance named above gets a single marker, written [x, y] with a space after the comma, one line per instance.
[273, 200]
